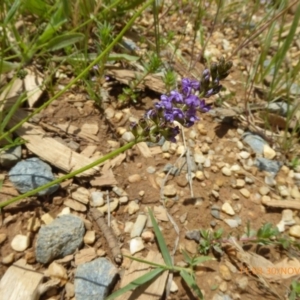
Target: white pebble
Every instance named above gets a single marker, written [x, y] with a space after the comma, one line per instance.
[245, 193]
[227, 208]
[226, 171]
[136, 245]
[20, 242]
[132, 207]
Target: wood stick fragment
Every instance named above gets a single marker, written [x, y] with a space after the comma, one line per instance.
[113, 244]
[293, 204]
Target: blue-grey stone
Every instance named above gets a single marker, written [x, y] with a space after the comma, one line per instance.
[271, 166]
[60, 238]
[279, 108]
[94, 279]
[255, 141]
[11, 156]
[193, 235]
[30, 174]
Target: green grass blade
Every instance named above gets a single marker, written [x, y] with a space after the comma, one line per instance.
[190, 280]
[136, 283]
[37, 7]
[64, 40]
[201, 259]
[6, 66]
[12, 11]
[161, 242]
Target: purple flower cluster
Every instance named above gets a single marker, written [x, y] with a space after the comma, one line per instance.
[181, 106]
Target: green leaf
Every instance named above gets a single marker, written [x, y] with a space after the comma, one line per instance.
[57, 20]
[136, 283]
[187, 258]
[161, 242]
[6, 66]
[122, 56]
[12, 11]
[201, 259]
[37, 7]
[64, 40]
[190, 280]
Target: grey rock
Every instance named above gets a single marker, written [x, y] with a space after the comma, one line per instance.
[11, 156]
[271, 166]
[173, 170]
[215, 212]
[30, 174]
[193, 235]
[60, 238]
[279, 108]
[255, 141]
[94, 279]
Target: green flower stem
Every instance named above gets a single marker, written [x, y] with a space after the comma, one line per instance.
[70, 175]
[84, 72]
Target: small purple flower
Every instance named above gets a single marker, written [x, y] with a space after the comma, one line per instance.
[165, 102]
[174, 95]
[203, 107]
[192, 100]
[178, 114]
[191, 117]
[188, 85]
[170, 133]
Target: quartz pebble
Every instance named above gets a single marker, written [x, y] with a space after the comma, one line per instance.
[268, 152]
[138, 226]
[174, 287]
[97, 199]
[151, 170]
[245, 193]
[287, 217]
[123, 200]
[89, 237]
[136, 245]
[227, 208]
[244, 154]
[20, 242]
[112, 205]
[47, 218]
[8, 259]
[128, 227]
[226, 171]
[295, 231]
[232, 223]
[295, 192]
[264, 190]
[132, 207]
[65, 211]
[57, 271]
[283, 190]
[240, 183]
[199, 175]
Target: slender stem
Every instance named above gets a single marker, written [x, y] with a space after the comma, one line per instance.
[84, 72]
[70, 175]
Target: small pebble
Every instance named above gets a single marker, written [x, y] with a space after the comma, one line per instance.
[123, 200]
[283, 191]
[264, 190]
[245, 193]
[207, 163]
[136, 245]
[128, 227]
[82, 195]
[138, 226]
[227, 208]
[75, 205]
[244, 154]
[132, 207]
[97, 199]
[134, 178]
[288, 217]
[295, 231]
[235, 168]
[65, 211]
[240, 145]
[199, 175]
[199, 158]
[269, 180]
[225, 272]
[226, 171]
[240, 183]
[151, 170]
[170, 190]
[33, 225]
[57, 271]
[47, 218]
[268, 152]
[223, 286]
[3, 237]
[20, 242]
[89, 237]
[242, 283]
[232, 223]
[148, 236]
[8, 259]
[128, 136]
[174, 287]
[235, 197]
[295, 192]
